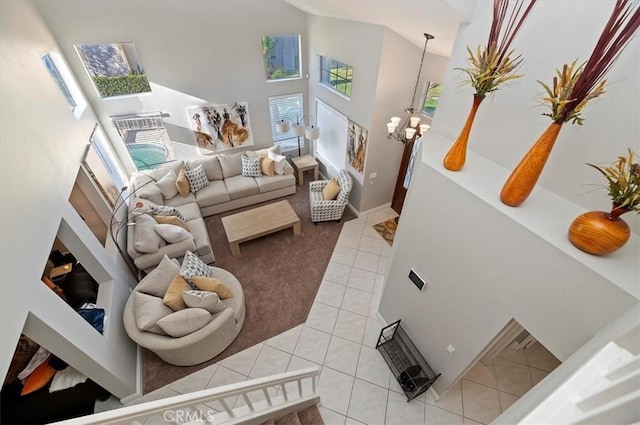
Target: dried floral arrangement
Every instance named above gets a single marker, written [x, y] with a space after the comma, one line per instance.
[495, 63]
[574, 87]
[623, 176]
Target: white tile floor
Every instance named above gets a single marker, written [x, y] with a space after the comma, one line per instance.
[339, 336]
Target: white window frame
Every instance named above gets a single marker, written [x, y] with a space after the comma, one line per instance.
[68, 81]
[287, 141]
[269, 80]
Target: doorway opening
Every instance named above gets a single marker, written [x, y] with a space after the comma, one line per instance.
[511, 364]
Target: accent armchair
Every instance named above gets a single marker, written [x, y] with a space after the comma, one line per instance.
[322, 210]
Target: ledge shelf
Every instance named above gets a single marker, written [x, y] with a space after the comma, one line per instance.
[410, 369]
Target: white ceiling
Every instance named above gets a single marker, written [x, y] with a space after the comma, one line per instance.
[409, 18]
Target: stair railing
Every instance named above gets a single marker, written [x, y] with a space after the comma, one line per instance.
[264, 398]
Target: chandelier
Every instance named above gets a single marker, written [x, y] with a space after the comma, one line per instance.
[411, 126]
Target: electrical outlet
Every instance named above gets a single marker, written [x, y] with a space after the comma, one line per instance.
[373, 175]
[450, 349]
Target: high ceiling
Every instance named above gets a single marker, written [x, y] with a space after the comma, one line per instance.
[409, 18]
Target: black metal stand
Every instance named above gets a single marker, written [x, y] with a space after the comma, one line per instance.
[410, 369]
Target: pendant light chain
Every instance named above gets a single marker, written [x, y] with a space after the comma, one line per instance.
[415, 89]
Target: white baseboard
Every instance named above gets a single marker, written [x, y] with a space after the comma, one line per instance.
[376, 209]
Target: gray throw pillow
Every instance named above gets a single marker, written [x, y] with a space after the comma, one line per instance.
[158, 280]
[163, 210]
[192, 266]
[148, 310]
[197, 178]
[209, 301]
[251, 167]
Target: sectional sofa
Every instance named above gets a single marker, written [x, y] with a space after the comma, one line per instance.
[226, 188]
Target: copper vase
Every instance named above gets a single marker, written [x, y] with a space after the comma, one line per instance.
[455, 158]
[523, 178]
[600, 232]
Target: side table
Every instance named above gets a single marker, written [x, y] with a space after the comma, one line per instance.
[305, 163]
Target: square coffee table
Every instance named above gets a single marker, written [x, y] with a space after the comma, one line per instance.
[254, 223]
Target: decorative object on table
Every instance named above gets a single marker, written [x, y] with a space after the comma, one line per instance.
[357, 146]
[600, 232]
[299, 128]
[491, 66]
[409, 129]
[221, 127]
[572, 88]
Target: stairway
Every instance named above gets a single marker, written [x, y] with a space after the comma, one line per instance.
[308, 416]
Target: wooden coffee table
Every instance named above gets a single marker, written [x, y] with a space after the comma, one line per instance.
[257, 222]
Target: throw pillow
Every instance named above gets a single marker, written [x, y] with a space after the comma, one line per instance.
[172, 233]
[167, 185]
[38, 379]
[184, 322]
[197, 178]
[171, 219]
[210, 301]
[268, 166]
[182, 184]
[192, 266]
[148, 310]
[280, 160]
[66, 378]
[146, 239]
[162, 210]
[331, 190]
[173, 297]
[212, 284]
[158, 280]
[251, 167]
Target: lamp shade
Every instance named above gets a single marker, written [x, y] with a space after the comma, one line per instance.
[312, 133]
[298, 129]
[410, 132]
[424, 128]
[414, 121]
[282, 126]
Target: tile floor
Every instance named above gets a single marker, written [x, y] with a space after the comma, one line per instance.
[339, 336]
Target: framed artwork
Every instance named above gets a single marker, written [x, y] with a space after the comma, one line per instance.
[357, 146]
[221, 127]
[114, 68]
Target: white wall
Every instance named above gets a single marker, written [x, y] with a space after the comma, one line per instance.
[507, 125]
[194, 53]
[482, 265]
[385, 67]
[42, 145]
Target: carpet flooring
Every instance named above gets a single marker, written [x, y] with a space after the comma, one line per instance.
[280, 274]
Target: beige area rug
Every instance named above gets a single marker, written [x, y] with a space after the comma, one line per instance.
[387, 229]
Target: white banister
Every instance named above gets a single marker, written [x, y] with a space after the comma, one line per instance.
[184, 408]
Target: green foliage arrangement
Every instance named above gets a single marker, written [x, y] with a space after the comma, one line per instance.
[494, 64]
[623, 176]
[122, 85]
[574, 86]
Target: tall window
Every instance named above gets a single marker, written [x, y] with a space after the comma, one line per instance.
[281, 56]
[431, 99]
[63, 78]
[336, 75]
[287, 107]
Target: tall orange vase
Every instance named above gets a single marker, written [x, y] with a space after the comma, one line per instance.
[524, 177]
[455, 158]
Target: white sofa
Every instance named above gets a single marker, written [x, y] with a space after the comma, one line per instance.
[198, 346]
[227, 189]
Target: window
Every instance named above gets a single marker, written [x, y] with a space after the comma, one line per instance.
[281, 56]
[336, 75]
[287, 107]
[115, 69]
[431, 99]
[61, 74]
